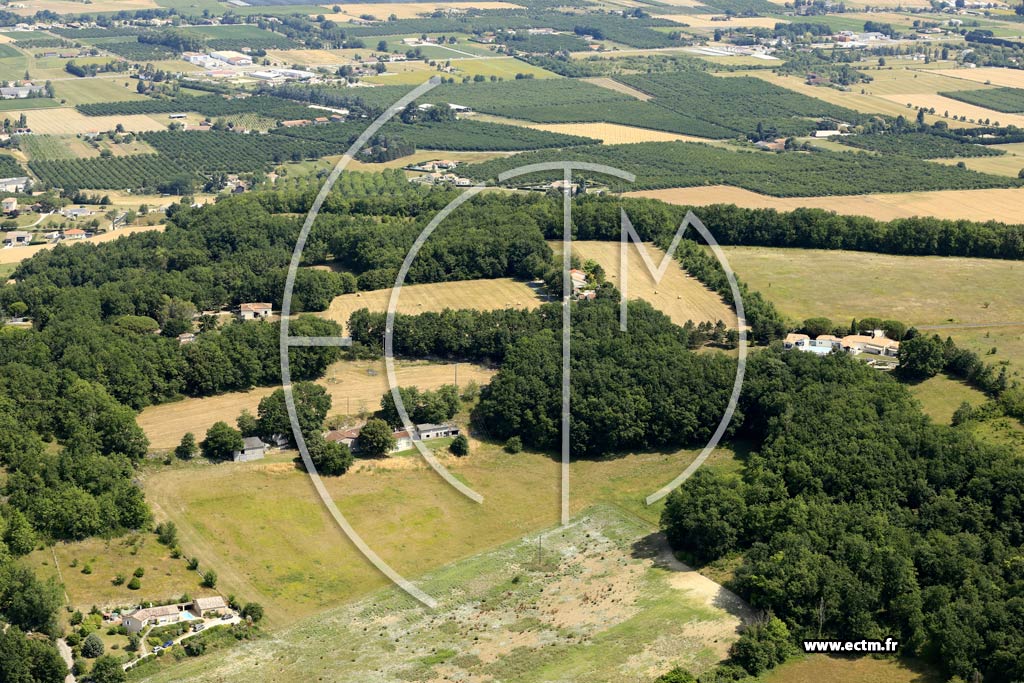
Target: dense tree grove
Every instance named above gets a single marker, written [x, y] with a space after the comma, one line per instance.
[857, 517]
[641, 388]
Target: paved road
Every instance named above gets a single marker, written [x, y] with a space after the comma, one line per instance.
[210, 623]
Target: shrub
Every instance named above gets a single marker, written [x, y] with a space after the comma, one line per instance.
[167, 533]
[134, 584]
[253, 611]
[460, 446]
[139, 572]
[92, 646]
[209, 579]
[514, 445]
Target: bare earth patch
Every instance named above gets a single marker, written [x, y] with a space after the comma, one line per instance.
[1005, 205]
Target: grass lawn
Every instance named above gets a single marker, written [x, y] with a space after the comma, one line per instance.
[164, 577]
[940, 396]
[91, 90]
[50, 147]
[816, 668]
[994, 344]
[919, 290]
[261, 527]
[596, 601]
[28, 103]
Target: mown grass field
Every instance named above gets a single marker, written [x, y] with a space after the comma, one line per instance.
[477, 294]
[678, 295]
[354, 386]
[919, 290]
[1010, 164]
[90, 90]
[1002, 205]
[51, 147]
[599, 604]
[940, 396]
[261, 527]
[1004, 344]
[816, 668]
[165, 577]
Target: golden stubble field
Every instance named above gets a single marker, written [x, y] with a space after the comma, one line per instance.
[476, 294]
[1004, 205]
[1010, 78]
[354, 387]
[678, 295]
[65, 120]
[411, 10]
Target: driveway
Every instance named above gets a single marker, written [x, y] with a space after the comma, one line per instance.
[209, 623]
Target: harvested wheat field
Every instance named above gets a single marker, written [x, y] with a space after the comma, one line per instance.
[1004, 205]
[411, 10]
[482, 295]
[30, 7]
[19, 254]
[354, 386]
[678, 295]
[955, 108]
[64, 120]
[616, 134]
[852, 100]
[707, 21]
[1010, 78]
[612, 84]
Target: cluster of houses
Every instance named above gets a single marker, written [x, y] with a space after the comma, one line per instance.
[254, 448]
[438, 178]
[23, 238]
[404, 439]
[162, 615]
[438, 172]
[875, 343]
[318, 121]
